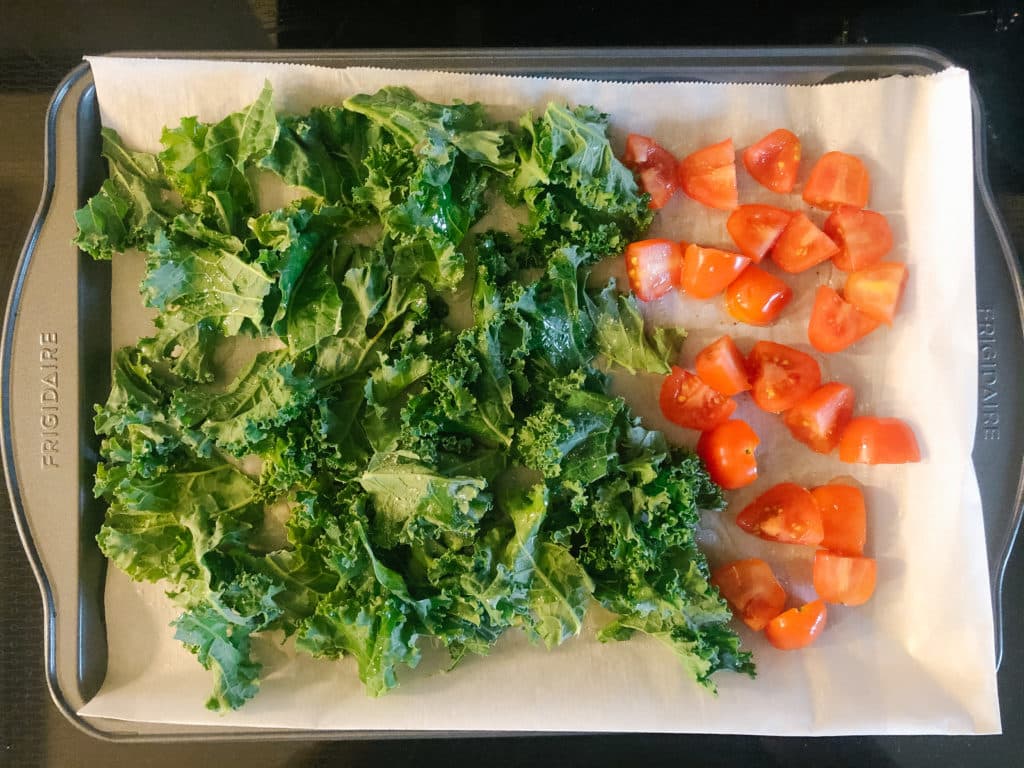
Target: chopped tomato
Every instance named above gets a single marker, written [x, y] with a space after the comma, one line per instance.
[873, 440]
[757, 297]
[721, 366]
[655, 167]
[843, 517]
[835, 323]
[781, 376]
[774, 161]
[802, 245]
[709, 175]
[819, 419]
[707, 271]
[653, 267]
[728, 453]
[797, 627]
[838, 179]
[876, 291]
[752, 590]
[755, 228]
[689, 402]
[844, 580]
[786, 513]
[863, 237]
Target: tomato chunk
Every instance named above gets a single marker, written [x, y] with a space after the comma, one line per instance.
[802, 245]
[781, 376]
[863, 237]
[873, 440]
[757, 297]
[835, 323]
[843, 517]
[819, 419]
[653, 267]
[709, 175]
[844, 580]
[838, 179]
[721, 366]
[752, 590]
[728, 453]
[876, 291]
[774, 161]
[654, 166]
[786, 513]
[689, 402]
[755, 228]
[707, 271]
[797, 627]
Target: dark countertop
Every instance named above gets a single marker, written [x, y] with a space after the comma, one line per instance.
[41, 40]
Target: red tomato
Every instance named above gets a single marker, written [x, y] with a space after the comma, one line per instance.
[786, 513]
[774, 161]
[654, 165]
[781, 376]
[843, 517]
[863, 237]
[802, 245]
[873, 440]
[721, 366]
[876, 291]
[653, 267]
[836, 324]
[689, 402]
[752, 590]
[707, 271]
[838, 179]
[819, 419]
[757, 297]
[709, 175]
[797, 627]
[844, 580]
[755, 228]
[728, 453]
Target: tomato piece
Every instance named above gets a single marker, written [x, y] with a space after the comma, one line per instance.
[752, 590]
[689, 402]
[797, 627]
[843, 579]
[802, 245]
[757, 297]
[835, 323]
[786, 513]
[728, 453]
[838, 179]
[863, 237]
[873, 440]
[755, 228]
[876, 291]
[781, 376]
[709, 175]
[843, 517]
[654, 166]
[774, 161]
[819, 419]
[721, 366]
[653, 267]
[707, 271]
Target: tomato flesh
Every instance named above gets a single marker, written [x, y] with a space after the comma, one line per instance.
[802, 245]
[835, 323]
[689, 402]
[653, 267]
[876, 291]
[863, 237]
[818, 420]
[843, 517]
[774, 161]
[781, 376]
[752, 590]
[786, 513]
[755, 228]
[838, 179]
[757, 297]
[707, 271]
[728, 453]
[843, 579]
[709, 175]
[874, 440]
[797, 627]
[654, 166]
[721, 366]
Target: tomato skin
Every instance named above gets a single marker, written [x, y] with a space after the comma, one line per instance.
[843, 517]
[844, 580]
[874, 440]
[797, 627]
[876, 291]
[689, 402]
[752, 590]
[838, 179]
[781, 376]
[757, 297]
[835, 323]
[653, 267]
[786, 513]
[755, 228]
[654, 165]
[728, 453]
[802, 245]
[721, 366]
[819, 419]
[707, 271]
[863, 237]
[774, 161]
[709, 175]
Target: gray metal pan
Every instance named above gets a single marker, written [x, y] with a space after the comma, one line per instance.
[54, 360]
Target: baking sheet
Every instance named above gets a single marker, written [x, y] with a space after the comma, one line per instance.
[917, 659]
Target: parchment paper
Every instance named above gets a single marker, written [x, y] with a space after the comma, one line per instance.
[918, 658]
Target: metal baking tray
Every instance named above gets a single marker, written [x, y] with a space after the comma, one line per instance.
[55, 355]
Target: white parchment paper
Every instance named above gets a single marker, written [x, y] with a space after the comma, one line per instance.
[918, 658]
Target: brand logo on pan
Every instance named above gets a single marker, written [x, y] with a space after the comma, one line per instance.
[49, 399]
[988, 374]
